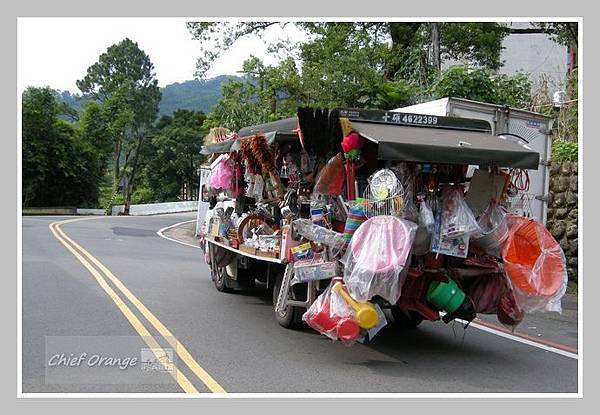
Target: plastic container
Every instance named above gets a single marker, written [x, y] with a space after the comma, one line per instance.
[533, 260]
[445, 295]
[377, 257]
[392, 255]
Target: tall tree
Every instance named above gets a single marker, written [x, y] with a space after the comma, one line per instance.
[124, 82]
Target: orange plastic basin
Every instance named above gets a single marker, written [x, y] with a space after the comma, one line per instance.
[533, 260]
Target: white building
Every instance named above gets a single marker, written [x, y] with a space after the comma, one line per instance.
[535, 53]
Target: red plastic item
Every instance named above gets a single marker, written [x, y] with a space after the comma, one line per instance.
[432, 260]
[334, 326]
[323, 321]
[348, 330]
[414, 293]
[533, 260]
[508, 312]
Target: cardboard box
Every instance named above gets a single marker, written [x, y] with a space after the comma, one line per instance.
[247, 249]
[268, 254]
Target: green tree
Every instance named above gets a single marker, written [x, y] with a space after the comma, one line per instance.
[358, 64]
[60, 168]
[174, 154]
[394, 48]
[482, 85]
[124, 82]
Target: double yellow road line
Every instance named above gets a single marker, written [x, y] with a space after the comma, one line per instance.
[99, 272]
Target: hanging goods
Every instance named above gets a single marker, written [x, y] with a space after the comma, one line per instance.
[486, 293]
[384, 194]
[330, 179]
[426, 222]
[319, 234]
[445, 295]
[351, 144]
[356, 217]
[449, 297]
[331, 316]
[508, 312]
[365, 312]
[222, 175]
[494, 228]
[376, 256]
[535, 266]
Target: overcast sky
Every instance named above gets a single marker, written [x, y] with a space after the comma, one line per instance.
[57, 51]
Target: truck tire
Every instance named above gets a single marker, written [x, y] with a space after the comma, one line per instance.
[287, 318]
[406, 319]
[220, 279]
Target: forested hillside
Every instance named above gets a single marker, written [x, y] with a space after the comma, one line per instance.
[191, 95]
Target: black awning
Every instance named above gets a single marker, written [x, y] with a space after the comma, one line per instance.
[435, 145]
[286, 126]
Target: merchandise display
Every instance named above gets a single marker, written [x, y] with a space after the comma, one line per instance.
[349, 223]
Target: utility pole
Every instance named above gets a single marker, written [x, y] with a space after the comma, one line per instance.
[435, 47]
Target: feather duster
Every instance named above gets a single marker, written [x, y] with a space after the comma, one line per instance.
[264, 155]
[252, 163]
[262, 152]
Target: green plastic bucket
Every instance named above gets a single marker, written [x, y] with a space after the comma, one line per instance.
[445, 295]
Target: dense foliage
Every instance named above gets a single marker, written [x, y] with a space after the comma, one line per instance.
[173, 154]
[482, 85]
[60, 166]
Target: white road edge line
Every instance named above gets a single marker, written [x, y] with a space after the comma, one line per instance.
[160, 233]
[473, 324]
[522, 340]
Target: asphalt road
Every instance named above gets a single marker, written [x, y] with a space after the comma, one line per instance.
[234, 338]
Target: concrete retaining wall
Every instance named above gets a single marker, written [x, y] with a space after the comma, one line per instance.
[563, 211]
[98, 212]
[157, 208]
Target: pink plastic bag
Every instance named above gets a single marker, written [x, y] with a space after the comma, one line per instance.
[221, 175]
[376, 257]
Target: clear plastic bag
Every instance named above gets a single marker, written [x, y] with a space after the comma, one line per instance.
[314, 269]
[457, 217]
[319, 234]
[494, 230]
[331, 316]
[535, 266]
[376, 257]
[426, 221]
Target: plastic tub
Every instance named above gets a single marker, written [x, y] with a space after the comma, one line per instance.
[388, 241]
[533, 260]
